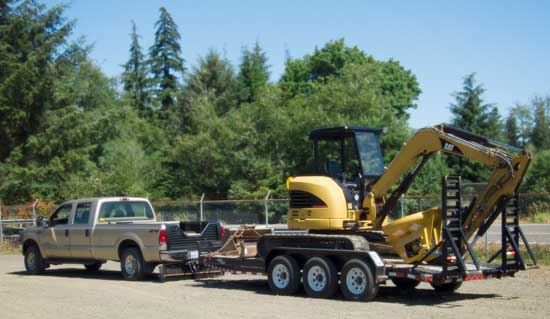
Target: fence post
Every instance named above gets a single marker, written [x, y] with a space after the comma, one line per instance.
[34, 212]
[267, 209]
[402, 205]
[202, 198]
[1, 225]
[487, 241]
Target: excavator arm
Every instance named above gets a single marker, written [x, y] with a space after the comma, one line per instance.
[509, 164]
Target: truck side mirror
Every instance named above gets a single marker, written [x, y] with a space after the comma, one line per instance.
[41, 222]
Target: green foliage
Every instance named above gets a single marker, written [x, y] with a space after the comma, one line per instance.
[538, 179]
[512, 130]
[253, 73]
[472, 114]
[134, 77]
[541, 130]
[166, 61]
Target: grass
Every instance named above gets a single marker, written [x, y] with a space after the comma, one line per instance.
[537, 218]
[541, 252]
[7, 248]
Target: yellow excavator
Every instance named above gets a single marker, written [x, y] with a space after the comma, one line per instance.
[357, 192]
[339, 229]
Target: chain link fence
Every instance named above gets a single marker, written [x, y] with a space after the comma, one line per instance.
[255, 211]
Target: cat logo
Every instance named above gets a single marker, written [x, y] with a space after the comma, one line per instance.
[450, 147]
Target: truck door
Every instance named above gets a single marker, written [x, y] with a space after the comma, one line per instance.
[80, 232]
[57, 239]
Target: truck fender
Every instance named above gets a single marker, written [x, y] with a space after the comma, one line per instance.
[130, 237]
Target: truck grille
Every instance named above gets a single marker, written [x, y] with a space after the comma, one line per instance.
[301, 199]
[208, 240]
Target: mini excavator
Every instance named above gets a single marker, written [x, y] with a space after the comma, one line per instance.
[352, 192]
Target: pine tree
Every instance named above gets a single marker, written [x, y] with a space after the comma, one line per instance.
[253, 73]
[166, 62]
[541, 130]
[512, 131]
[472, 114]
[135, 76]
[214, 77]
[524, 120]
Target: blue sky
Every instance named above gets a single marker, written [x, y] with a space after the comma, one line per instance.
[507, 43]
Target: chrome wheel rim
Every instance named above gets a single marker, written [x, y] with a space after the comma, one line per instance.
[356, 281]
[280, 276]
[130, 265]
[316, 278]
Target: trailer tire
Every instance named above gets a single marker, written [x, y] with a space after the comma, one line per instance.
[447, 287]
[405, 283]
[132, 265]
[320, 277]
[34, 262]
[283, 275]
[357, 282]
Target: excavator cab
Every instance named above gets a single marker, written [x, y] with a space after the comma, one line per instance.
[348, 154]
[345, 159]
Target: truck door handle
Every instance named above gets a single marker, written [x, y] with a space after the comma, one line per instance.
[87, 232]
[66, 233]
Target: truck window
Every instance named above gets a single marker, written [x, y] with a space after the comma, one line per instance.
[126, 210]
[61, 215]
[82, 214]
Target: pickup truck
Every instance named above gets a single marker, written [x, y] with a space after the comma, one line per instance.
[93, 231]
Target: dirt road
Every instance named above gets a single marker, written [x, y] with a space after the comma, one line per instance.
[69, 292]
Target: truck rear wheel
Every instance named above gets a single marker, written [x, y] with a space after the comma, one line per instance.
[405, 283]
[320, 277]
[132, 264]
[447, 287]
[283, 275]
[357, 282]
[34, 263]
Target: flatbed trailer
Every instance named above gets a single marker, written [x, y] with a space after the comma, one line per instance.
[322, 262]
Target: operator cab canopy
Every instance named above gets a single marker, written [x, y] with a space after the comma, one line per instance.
[348, 153]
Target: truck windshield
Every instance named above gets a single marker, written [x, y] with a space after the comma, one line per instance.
[368, 147]
[125, 210]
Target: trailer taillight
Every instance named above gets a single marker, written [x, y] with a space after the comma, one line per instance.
[162, 237]
[222, 232]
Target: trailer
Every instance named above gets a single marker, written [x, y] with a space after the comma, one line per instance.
[322, 263]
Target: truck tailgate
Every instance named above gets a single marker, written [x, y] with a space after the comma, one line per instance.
[202, 237]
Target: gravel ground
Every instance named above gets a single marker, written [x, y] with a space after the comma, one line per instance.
[69, 292]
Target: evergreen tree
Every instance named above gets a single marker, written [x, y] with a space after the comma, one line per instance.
[471, 113]
[213, 77]
[31, 38]
[512, 131]
[541, 130]
[524, 120]
[253, 73]
[134, 77]
[166, 61]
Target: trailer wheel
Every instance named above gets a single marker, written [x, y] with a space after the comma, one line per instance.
[405, 283]
[283, 275]
[357, 282]
[447, 287]
[320, 277]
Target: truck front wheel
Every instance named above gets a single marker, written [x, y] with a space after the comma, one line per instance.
[357, 282]
[283, 275]
[34, 263]
[132, 264]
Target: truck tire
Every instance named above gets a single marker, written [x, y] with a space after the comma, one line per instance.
[93, 267]
[357, 282]
[132, 265]
[447, 287]
[320, 277]
[283, 275]
[34, 263]
[405, 283]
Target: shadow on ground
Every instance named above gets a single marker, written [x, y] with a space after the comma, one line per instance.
[387, 294]
[112, 275]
